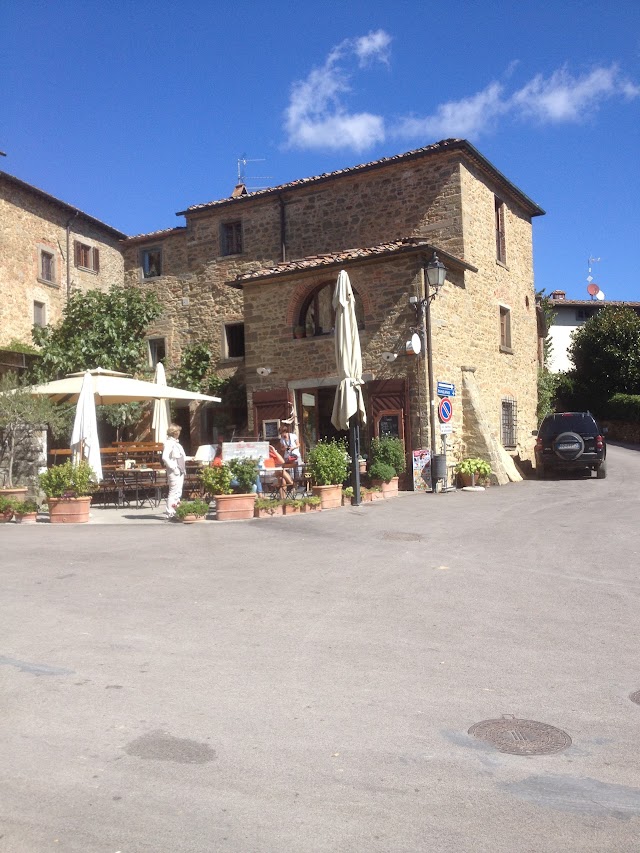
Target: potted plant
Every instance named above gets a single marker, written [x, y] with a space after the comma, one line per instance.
[473, 471]
[68, 488]
[388, 452]
[233, 486]
[191, 511]
[347, 496]
[328, 462]
[292, 506]
[7, 506]
[26, 511]
[311, 504]
[267, 508]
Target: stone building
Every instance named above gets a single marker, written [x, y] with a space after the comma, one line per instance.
[48, 249]
[252, 276]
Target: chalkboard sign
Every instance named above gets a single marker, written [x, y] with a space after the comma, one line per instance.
[389, 425]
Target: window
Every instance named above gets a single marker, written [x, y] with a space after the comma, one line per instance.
[583, 316]
[47, 267]
[505, 329]
[509, 422]
[501, 249]
[157, 351]
[231, 238]
[39, 314]
[87, 257]
[151, 261]
[234, 340]
[318, 316]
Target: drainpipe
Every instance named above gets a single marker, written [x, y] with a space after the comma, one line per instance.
[69, 221]
[283, 230]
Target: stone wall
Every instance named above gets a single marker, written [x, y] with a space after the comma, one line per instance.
[31, 222]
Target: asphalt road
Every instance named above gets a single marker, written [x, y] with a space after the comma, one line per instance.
[308, 683]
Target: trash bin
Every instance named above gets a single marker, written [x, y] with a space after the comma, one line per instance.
[439, 468]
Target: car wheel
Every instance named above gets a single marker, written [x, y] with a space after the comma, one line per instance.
[568, 446]
[601, 471]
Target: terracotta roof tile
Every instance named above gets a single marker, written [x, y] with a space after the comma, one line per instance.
[436, 147]
[163, 232]
[311, 262]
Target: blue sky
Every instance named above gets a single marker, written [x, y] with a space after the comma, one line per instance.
[132, 111]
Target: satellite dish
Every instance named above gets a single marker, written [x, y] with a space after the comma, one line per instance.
[389, 356]
[414, 346]
[593, 289]
[263, 371]
[600, 295]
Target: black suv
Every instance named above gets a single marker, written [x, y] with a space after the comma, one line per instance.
[568, 441]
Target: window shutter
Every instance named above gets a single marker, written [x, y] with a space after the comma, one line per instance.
[96, 260]
[76, 247]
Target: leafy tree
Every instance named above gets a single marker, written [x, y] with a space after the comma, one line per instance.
[547, 381]
[194, 366]
[606, 356]
[22, 416]
[98, 329]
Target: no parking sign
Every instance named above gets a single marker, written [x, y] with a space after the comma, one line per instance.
[445, 410]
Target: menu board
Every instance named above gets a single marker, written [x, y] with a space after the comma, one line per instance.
[244, 450]
[389, 425]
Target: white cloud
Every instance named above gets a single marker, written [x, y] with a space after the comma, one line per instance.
[556, 99]
[563, 97]
[374, 45]
[467, 117]
[317, 116]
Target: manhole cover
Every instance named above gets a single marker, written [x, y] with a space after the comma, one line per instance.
[521, 737]
[398, 536]
[635, 697]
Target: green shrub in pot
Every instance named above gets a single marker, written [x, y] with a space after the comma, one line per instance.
[390, 451]
[381, 471]
[68, 480]
[217, 480]
[328, 463]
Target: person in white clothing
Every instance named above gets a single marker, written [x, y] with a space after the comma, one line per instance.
[174, 460]
[290, 449]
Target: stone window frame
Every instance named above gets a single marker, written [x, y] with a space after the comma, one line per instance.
[153, 348]
[39, 307]
[48, 252]
[505, 329]
[229, 344]
[500, 216]
[231, 238]
[312, 329]
[86, 257]
[145, 265]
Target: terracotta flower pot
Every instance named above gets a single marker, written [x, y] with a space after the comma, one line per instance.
[69, 510]
[16, 493]
[291, 510]
[189, 519]
[235, 507]
[268, 512]
[27, 518]
[390, 489]
[330, 496]
[6, 516]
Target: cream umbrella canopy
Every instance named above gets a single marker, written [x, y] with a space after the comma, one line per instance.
[84, 438]
[111, 387]
[348, 405]
[161, 412]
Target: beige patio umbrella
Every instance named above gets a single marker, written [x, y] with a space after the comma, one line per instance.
[111, 387]
[348, 405]
[84, 438]
[161, 411]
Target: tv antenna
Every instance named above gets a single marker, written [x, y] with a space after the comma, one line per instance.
[242, 176]
[593, 289]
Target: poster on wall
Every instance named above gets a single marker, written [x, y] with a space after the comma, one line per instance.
[422, 470]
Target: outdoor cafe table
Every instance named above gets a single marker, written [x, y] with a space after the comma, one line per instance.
[140, 486]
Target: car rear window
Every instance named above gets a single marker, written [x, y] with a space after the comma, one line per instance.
[571, 422]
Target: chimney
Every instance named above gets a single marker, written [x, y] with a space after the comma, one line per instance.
[558, 295]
